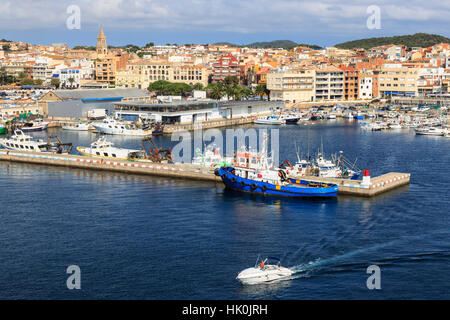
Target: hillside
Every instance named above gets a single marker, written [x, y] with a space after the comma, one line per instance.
[415, 40]
[287, 44]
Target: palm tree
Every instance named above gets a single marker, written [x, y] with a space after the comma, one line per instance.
[71, 80]
[216, 91]
[197, 86]
[261, 90]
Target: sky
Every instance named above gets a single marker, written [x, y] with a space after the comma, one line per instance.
[324, 23]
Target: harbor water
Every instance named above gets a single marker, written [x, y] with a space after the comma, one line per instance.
[142, 237]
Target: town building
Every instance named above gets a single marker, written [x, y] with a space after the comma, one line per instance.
[351, 83]
[365, 86]
[226, 65]
[291, 85]
[329, 83]
[397, 79]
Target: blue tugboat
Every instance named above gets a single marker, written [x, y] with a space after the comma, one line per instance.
[260, 183]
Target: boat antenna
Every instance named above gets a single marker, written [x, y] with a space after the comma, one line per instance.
[296, 151]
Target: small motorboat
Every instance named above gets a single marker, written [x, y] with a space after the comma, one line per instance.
[266, 270]
[271, 119]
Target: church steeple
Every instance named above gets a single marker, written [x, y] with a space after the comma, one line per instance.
[102, 48]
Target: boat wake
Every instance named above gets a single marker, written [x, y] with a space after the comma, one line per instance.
[303, 270]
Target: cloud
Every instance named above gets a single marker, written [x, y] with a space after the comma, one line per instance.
[239, 16]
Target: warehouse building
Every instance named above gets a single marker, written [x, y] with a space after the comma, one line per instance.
[184, 112]
[77, 103]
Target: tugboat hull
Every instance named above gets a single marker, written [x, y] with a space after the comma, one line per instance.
[294, 188]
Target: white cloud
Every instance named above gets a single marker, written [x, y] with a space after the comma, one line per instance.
[240, 16]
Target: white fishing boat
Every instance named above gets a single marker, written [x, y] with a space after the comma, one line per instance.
[105, 149]
[35, 125]
[266, 270]
[395, 126]
[81, 126]
[271, 119]
[430, 131]
[211, 157]
[331, 116]
[114, 126]
[327, 168]
[21, 142]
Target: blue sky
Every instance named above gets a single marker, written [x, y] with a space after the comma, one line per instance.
[324, 22]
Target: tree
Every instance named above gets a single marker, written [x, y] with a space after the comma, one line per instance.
[71, 80]
[216, 91]
[231, 81]
[148, 45]
[198, 86]
[38, 82]
[27, 82]
[55, 82]
[261, 90]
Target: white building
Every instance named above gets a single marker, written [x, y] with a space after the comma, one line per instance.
[365, 87]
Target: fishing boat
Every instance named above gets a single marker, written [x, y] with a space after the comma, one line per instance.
[290, 118]
[331, 116]
[266, 270]
[35, 125]
[105, 149]
[430, 131]
[114, 126]
[21, 142]
[211, 157]
[395, 126]
[81, 126]
[273, 183]
[271, 119]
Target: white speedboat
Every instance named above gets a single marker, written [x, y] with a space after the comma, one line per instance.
[266, 270]
[21, 142]
[105, 149]
[81, 126]
[272, 119]
[114, 126]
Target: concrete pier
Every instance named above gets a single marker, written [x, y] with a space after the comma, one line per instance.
[376, 186]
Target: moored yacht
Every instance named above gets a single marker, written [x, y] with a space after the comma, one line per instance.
[21, 142]
[105, 149]
[114, 126]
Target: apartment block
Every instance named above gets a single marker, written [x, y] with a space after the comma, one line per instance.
[365, 86]
[351, 83]
[329, 83]
[292, 85]
[225, 66]
[397, 79]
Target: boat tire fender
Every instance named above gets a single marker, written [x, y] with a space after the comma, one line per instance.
[254, 186]
[233, 180]
[264, 187]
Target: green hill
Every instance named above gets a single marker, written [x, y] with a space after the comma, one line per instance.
[415, 40]
[287, 44]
